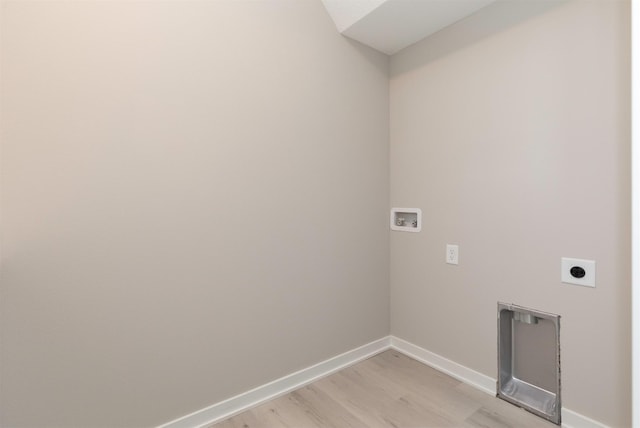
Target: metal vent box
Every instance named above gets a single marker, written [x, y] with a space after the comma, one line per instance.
[529, 360]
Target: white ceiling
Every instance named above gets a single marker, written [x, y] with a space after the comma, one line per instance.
[392, 25]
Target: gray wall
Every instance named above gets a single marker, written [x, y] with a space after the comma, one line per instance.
[191, 187]
[194, 203]
[511, 131]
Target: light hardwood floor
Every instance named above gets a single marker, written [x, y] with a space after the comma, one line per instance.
[387, 390]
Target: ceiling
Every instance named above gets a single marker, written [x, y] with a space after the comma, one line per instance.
[392, 25]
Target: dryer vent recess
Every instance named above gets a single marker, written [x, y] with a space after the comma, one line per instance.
[406, 219]
[529, 360]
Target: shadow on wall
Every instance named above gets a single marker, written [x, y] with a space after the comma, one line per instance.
[370, 54]
[487, 21]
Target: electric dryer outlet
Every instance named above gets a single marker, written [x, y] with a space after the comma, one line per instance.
[578, 272]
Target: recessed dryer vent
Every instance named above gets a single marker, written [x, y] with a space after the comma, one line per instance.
[406, 219]
[529, 360]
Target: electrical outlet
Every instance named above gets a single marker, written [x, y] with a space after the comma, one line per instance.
[578, 272]
[452, 254]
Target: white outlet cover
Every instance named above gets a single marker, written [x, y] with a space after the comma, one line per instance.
[589, 266]
[452, 254]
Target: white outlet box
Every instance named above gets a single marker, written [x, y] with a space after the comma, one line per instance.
[578, 272]
[452, 254]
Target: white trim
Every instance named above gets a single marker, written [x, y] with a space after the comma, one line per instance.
[234, 405]
[453, 369]
[635, 211]
[571, 419]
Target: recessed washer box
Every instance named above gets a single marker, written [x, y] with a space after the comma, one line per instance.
[406, 219]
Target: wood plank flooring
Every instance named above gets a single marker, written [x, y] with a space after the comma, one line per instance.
[387, 390]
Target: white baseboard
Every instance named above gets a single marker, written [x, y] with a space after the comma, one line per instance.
[234, 405]
[453, 369]
[571, 419]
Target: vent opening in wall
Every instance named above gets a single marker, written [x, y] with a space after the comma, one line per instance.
[406, 219]
[529, 360]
